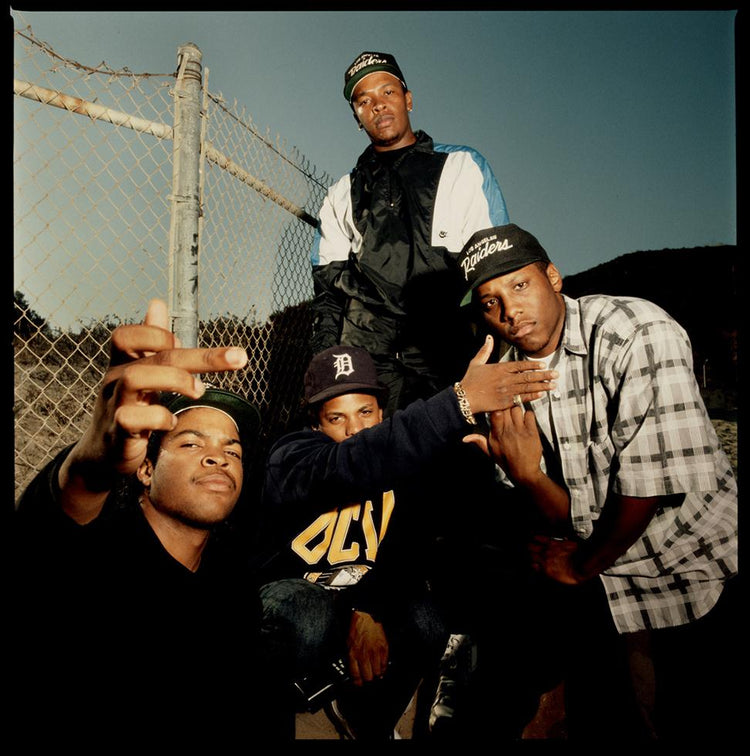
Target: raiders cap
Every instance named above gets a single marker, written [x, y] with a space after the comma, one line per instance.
[367, 63]
[494, 252]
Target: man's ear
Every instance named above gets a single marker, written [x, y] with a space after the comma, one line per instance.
[359, 125]
[145, 472]
[554, 277]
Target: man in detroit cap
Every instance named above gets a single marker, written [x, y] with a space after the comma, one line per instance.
[387, 230]
[350, 527]
[626, 470]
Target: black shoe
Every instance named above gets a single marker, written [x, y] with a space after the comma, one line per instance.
[337, 719]
[456, 666]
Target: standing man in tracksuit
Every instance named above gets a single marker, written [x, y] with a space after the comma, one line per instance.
[387, 232]
[382, 266]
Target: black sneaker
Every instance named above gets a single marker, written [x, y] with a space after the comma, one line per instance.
[345, 731]
[458, 663]
[337, 719]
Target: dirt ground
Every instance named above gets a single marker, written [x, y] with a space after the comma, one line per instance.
[317, 726]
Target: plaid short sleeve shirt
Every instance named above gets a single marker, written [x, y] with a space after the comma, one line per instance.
[628, 418]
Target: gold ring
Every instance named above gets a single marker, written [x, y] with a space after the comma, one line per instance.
[517, 400]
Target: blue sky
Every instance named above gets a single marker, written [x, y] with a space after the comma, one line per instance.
[609, 131]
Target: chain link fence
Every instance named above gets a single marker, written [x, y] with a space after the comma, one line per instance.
[98, 194]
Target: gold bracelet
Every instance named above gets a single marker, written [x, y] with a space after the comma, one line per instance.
[463, 403]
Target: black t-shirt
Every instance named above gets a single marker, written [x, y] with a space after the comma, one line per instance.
[110, 629]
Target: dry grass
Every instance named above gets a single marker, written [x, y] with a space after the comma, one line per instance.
[727, 433]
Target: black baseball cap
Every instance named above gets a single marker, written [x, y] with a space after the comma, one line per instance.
[342, 370]
[246, 417]
[496, 251]
[367, 63]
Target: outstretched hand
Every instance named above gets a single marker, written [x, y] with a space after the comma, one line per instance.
[494, 386]
[147, 359]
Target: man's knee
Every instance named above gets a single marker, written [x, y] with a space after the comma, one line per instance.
[300, 613]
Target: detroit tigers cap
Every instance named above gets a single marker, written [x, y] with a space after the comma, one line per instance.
[494, 252]
[341, 370]
[367, 63]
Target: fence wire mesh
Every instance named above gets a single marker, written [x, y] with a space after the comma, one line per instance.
[93, 158]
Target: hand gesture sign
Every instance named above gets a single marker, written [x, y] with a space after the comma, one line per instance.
[145, 360]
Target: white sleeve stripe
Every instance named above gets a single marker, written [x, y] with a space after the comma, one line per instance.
[498, 213]
[336, 234]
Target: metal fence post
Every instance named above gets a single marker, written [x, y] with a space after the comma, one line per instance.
[184, 233]
[141, 199]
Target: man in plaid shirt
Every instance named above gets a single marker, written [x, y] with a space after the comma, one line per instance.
[635, 536]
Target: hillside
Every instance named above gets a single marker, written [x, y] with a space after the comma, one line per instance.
[698, 286]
